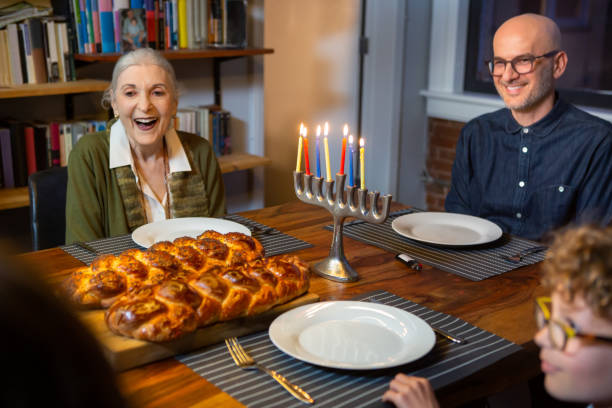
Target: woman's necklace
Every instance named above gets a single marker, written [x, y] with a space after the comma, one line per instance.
[142, 196]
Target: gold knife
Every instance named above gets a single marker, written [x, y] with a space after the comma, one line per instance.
[86, 247]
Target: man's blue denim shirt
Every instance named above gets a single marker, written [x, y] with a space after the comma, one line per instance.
[532, 180]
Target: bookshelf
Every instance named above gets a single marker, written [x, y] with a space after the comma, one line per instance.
[18, 197]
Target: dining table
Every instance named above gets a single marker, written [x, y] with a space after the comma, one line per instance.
[502, 305]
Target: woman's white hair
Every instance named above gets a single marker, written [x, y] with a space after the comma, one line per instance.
[140, 56]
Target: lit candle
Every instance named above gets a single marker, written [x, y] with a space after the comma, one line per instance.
[317, 152]
[350, 140]
[298, 165]
[305, 134]
[327, 165]
[345, 133]
[362, 162]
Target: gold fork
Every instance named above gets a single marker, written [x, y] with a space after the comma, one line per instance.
[246, 362]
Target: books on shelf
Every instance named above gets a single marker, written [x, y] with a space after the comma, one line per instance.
[210, 122]
[26, 148]
[35, 51]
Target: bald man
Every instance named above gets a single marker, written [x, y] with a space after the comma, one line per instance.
[539, 163]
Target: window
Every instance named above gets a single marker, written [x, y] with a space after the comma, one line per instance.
[586, 30]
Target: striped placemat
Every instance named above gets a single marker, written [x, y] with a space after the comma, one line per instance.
[273, 241]
[446, 363]
[475, 263]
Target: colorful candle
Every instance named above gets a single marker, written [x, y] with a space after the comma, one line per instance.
[327, 164]
[350, 140]
[298, 165]
[362, 162]
[345, 133]
[317, 152]
[305, 134]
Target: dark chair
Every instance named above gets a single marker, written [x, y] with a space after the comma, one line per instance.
[48, 207]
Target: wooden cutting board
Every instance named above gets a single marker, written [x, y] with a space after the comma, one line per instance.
[124, 352]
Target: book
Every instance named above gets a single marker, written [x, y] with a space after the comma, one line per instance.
[151, 22]
[133, 29]
[7, 158]
[51, 53]
[14, 55]
[67, 141]
[118, 5]
[95, 17]
[40, 146]
[5, 60]
[182, 23]
[201, 23]
[21, 10]
[23, 54]
[18, 151]
[107, 27]
[90, 27]
[28, 132]
[54, 130]
[215, 26]
[37, 52]
[160, 29]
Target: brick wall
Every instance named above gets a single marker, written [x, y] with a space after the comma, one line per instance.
[443, 135]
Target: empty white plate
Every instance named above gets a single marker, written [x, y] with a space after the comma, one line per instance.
[444, 228]
[352, 335]
[168, 230]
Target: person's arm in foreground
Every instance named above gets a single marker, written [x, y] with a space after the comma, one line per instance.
[407, 391]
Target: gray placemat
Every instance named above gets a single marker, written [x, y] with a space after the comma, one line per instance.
[446, 363]
[474, 263]
[273, 241]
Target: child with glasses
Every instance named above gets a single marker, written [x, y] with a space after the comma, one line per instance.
[575, 334]
[575, 325]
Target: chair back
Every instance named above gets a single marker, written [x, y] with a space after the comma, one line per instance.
[47, 190]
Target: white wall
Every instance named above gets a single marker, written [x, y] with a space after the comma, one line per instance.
[310, 78]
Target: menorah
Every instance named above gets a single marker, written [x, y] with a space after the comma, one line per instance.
[309, 189]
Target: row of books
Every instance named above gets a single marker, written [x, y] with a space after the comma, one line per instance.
[210, 122]
[107, 26]
[35, 51]
[27, 148]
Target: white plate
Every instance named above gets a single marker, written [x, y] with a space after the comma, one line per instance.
[352, 335]
[443, 228]
[168, 230]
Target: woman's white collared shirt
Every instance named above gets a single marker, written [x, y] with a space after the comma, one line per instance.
[121, 155]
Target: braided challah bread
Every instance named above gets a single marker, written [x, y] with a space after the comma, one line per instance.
[174, 287]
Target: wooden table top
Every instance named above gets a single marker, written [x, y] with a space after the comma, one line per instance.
[502, 305]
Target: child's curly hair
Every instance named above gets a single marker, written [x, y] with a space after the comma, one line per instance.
[580, 262]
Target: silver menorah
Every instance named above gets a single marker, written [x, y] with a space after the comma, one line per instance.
[309, 189]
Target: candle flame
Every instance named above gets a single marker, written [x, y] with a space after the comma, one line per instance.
[318, 130]
[351, 139]
[345, 130]
[326, 129]
[305, 132]
[361, 142]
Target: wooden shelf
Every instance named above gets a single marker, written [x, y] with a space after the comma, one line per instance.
[14, 198]
[18, 197]
[241, 161]
[54, 88]
[183, 54]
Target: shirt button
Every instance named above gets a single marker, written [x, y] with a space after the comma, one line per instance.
[525, 130]
[524, 149]
[561, 189]
[519, 215]
[522, 184]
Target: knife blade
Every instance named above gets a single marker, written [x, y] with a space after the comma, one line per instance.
[86, 247]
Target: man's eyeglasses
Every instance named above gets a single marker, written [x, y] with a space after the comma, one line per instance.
[523, 64]
[559, 332]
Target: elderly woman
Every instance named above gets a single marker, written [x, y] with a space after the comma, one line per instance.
[140, 170]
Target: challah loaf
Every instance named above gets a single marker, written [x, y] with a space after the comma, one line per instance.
[174, 287]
